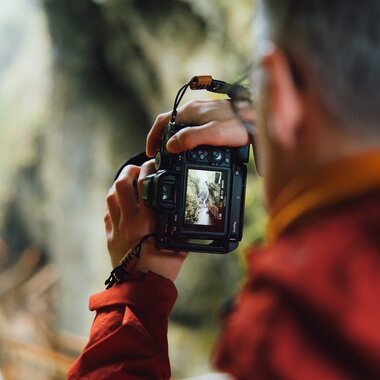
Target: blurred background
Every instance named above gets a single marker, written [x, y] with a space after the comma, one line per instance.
[81, 82]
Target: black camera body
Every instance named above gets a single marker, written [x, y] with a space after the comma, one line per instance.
[199, 196]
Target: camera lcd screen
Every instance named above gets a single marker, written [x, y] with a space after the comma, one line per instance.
[205, 200]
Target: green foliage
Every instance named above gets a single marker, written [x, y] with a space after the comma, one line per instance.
[192, 202]
[214, 192]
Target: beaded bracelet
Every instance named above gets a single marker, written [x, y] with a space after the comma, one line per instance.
[127, 264]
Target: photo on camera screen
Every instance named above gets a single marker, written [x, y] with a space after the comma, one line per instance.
[205, 199]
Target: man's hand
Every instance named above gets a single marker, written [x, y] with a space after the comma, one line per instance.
[211, 122]
[127, 220]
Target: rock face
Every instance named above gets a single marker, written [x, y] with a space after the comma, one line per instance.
[98, 72]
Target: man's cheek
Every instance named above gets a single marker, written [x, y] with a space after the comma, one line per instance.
[264, 145]
[262, 137]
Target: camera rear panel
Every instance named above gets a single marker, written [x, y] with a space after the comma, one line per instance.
[199, 196]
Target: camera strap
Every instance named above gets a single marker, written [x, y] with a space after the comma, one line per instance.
[120, 273]
[138, 159]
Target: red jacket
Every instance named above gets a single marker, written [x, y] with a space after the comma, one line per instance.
[310, 308]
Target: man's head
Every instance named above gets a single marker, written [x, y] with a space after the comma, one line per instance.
[321, 87]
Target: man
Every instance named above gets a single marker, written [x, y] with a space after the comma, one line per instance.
[310, 307]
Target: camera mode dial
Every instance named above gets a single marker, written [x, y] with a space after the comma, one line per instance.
[216, 156]
[157, 161]
[161, 161]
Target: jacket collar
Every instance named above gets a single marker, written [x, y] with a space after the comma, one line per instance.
[330, 184]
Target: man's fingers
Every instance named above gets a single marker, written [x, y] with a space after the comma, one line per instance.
[112, 217]
[125, 190]
[196, 112]
[220, 133]
[155, 134]
[108, 224]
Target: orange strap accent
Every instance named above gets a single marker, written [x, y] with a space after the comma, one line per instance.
[341, 180]
[200, 82]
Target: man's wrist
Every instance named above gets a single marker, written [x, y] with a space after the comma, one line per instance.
[162, 262]
[126, 265]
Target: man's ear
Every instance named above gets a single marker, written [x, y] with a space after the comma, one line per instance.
[285, 100]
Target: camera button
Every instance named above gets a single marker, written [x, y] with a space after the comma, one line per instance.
[193, 155]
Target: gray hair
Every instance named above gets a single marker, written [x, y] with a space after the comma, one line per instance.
[339, 41]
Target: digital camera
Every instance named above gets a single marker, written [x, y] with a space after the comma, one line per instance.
[199, 196]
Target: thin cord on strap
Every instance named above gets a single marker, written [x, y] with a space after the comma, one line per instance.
[178, 99]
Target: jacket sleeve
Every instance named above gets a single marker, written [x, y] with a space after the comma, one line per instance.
[128, 338]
